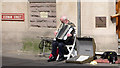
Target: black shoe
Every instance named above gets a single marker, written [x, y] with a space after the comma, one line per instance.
[51, 59]
[61, 59]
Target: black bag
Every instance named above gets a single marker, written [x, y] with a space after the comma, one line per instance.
[110, 55]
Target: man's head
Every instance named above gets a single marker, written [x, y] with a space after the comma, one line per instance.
[64, 19]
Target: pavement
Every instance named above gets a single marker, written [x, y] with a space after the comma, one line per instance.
[27, 59]
[15, 58]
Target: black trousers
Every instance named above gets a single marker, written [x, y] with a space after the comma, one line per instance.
[60, 45]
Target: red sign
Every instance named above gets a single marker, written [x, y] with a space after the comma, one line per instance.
[12, 16]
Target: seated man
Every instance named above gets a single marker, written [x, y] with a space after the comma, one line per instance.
[60, 43]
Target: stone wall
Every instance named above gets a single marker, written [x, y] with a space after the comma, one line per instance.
[68, 9]
[13, 32]
[105, 37]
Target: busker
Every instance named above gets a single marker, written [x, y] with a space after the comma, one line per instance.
[60, 43]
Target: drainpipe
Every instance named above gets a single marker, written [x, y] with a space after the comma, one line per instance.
[79, 18]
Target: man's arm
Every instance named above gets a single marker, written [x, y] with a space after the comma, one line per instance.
[73, 32]
[55, 33]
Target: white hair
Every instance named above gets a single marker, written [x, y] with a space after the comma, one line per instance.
[63, 17]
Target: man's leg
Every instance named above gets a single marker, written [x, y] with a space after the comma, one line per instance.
[54, 49]
[61, 51]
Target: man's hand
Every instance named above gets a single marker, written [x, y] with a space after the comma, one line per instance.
[55, 33]
[68, 35]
